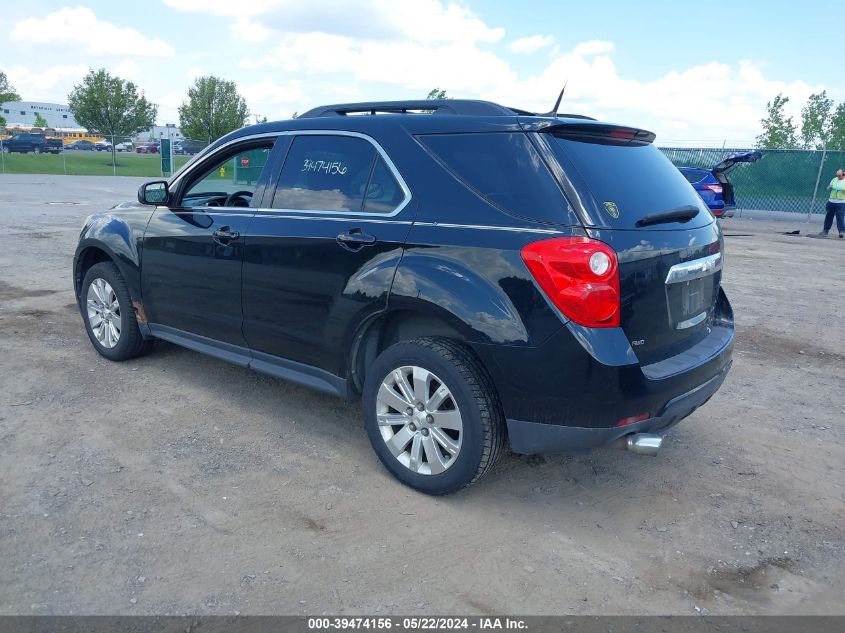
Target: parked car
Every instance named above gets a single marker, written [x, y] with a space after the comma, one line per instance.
[86, 146]
[481, 278]
[147, 148]
[188, 148]
[124, 147]
[102, 146]
[25, 142]
[54, 145]
[713, 185]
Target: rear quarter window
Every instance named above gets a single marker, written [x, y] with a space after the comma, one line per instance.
[504, 169]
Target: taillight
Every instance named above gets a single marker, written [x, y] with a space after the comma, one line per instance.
[580, 276]
[713, 188]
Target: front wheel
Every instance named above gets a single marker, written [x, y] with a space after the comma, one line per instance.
[109, 315]
[432, 415]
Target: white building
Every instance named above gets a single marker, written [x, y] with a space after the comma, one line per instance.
[22, 113]
[158, 132]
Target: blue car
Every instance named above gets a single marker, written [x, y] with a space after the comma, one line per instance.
[713, 185]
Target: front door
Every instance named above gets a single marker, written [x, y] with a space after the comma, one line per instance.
[193, 249]
[322, 257]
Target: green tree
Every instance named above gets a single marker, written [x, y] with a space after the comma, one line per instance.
[836, 130]
[778, 129]
[213, 108]
[437, 93]
[7, 93]
[815, 121]
[110, 106]
[40, 121]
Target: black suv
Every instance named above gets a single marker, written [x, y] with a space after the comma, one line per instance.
[480, 275]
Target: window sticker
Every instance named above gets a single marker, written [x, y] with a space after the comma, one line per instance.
[612, 209]
[332, 169]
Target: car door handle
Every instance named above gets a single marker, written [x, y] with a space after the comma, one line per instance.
[355, 239]
[225, 234]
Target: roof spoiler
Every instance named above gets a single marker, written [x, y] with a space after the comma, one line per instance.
[600, 133]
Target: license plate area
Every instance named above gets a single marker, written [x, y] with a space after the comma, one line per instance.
[691, 291]
[690, 301]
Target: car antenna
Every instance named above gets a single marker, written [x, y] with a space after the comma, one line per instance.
[553, 112]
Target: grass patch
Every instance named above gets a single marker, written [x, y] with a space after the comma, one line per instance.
[77, 163]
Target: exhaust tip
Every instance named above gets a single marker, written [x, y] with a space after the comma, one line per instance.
[645, 443]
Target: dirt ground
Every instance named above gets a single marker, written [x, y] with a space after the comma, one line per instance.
[176, 483]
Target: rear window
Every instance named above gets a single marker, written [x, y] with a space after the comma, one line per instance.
[628, 182]
[506, 170]
[693, 175]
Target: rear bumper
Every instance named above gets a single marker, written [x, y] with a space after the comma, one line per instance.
[572, 392]
[531, 437]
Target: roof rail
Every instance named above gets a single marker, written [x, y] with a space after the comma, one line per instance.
[436, 106]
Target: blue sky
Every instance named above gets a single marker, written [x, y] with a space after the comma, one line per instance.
[693, 75]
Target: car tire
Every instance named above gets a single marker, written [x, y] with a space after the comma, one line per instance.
[104, 304]
[412, 445]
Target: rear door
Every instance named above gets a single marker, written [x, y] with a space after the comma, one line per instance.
[323, 255]
[668, 243]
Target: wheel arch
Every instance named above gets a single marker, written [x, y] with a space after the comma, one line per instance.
[108, 237]
[401, 324]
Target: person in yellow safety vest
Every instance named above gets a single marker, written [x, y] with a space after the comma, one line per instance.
[835, 206]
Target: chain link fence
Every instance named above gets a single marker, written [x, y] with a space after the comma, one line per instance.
[84, 154]
[792, 181]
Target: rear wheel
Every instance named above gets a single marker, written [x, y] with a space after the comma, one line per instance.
[109, 315]
[432, 415]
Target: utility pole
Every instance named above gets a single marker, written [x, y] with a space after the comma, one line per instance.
[816, 189]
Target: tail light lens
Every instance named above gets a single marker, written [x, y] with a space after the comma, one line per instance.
[713, 188]
[580, 276]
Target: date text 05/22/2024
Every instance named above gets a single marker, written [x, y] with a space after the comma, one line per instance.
[415, 623]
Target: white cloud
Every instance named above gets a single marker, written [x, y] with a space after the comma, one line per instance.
[460, 67]
[224, 7]
[711, 101]
[80, 27]
[267, 93]
[593, 47]
[249, 30]
[51, 83]
[127, 69]
[419, 21]
[531, 44]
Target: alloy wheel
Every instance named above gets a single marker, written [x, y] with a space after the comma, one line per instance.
[103, 312]
[419, 420]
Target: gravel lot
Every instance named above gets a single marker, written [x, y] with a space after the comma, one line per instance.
[176, 483]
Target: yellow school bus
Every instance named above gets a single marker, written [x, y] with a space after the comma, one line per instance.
[68, 135]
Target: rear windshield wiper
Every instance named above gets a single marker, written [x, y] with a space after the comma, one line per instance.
[681, 214]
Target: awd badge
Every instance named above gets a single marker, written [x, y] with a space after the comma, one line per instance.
[612, 209]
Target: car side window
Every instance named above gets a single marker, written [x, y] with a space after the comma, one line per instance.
[336, 173]
[384, 194]
[235, 172]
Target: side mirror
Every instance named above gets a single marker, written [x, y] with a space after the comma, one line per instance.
[155, 192]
